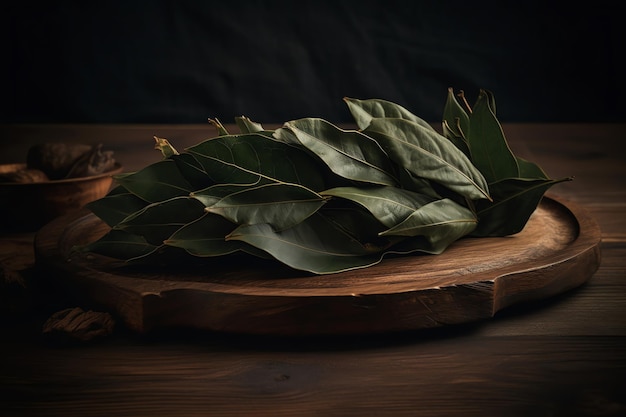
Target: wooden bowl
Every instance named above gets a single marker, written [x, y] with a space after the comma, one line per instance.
[28, 206]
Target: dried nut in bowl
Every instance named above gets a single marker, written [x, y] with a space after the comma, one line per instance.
[56, 179]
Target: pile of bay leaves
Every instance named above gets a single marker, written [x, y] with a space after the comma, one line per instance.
[323, 199]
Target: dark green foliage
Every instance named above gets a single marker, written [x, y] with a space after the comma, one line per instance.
[322, 199]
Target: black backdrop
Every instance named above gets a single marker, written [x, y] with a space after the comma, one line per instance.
[183, 61]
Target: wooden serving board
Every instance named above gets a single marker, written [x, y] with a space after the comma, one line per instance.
[559, 249]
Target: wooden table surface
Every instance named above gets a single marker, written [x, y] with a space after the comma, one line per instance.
[563, 356]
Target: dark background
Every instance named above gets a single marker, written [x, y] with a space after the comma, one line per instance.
[185, 61]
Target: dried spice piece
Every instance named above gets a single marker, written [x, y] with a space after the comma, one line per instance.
[78, 324]
[69, 160]
[322, 199]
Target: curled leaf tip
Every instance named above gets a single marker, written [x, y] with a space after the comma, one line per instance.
[165, 147]
[221, 130]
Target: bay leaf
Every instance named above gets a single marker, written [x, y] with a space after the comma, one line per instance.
[429, 155]
[358, 223]
[192, 171]
[489, 150]
[282, 205]
[363, 111]
[205, 237]
[440, 222]
[221, 130]
[514, 201]
[530, 170]
[246, 125]
[411, 182]
[458, 141]
[116, 205]
[315, 245]
[158, 221]
[348, 153]
[214, 193]
[248, 158]
[156, 182]
[455, 123]
[165, 147]
[390, 205]
[286, 136]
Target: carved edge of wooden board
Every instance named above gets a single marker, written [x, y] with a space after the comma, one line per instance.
[144, 305]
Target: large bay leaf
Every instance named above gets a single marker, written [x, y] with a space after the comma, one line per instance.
[205, 237]
[192, 170]
[489, 150]
[315, 245]
[116, 205]
[360, 224]
[390, 205]
[157, 221]
[214, 193]
[514, 201]
[248, 158]
[159, 181]
[440, 222]
[410, 181]
[281, 205]
[429, 155]
[363, 111]
[348, 153]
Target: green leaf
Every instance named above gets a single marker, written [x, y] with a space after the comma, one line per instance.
[514, 201]
[281, 205]
[440, 222]
[120, 244]
[390, 205]
[192, 171]
[429, 155]
[314, 245]
[489, 150]
[363, 111]
[205, 237]
[286, 136]
[214, 193]
[455, 115]
[246, 125]
[116, 206]
[458, 141]
[159, 181]
[165, 147]
[358, 223]
[322, 199]
[157, 221]
[248, 158]
[221, 130]
[420, 185]
[456, 123]
[530, 170]
[348, 153]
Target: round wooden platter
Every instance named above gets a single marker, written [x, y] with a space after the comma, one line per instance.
[559, 249]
